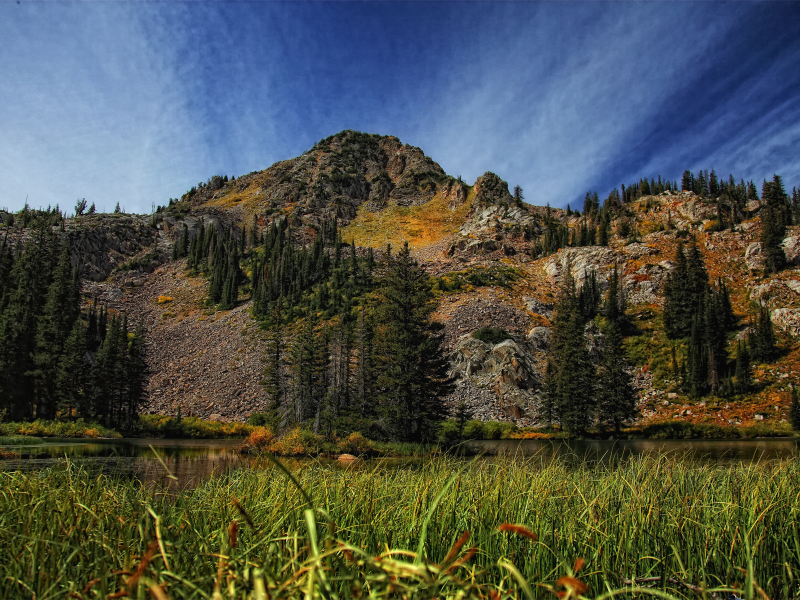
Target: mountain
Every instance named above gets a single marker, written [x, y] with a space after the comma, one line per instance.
[496, 263]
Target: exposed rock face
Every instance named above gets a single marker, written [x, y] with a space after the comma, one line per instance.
[335, 177]
[101, 243]
[496, 218]
[583, 261]
[644, 286]
[490, 189]
[787, 319]
[752, 257]
[539, 338]
[507, 368]
[538, 307]
[791, 248]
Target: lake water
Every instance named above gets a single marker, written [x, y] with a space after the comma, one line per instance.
[191, 461]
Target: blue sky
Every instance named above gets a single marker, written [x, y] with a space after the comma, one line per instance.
[135, 102]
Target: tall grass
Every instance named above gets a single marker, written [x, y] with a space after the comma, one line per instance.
[64, 429]
[656, 523]
[20, 440]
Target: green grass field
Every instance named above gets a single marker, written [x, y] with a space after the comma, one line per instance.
[447, 528]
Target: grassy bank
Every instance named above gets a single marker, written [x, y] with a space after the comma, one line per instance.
[63, 429]
[301, 442]
[445, 529]
[19, 440]
[450, 432]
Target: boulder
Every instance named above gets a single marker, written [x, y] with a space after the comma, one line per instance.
[793, 284]
[583, 260]
[539, 338]
[752, 256]
[538, 307]
[791, 248]
[507, 368]
[787, 319]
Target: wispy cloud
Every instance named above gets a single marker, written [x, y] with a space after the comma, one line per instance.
[135, 102]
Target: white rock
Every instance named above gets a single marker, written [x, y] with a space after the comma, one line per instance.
[787, 319]
[793, 284]
[752, 256]
[791, 248]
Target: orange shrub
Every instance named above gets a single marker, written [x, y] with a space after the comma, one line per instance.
[355, 443]
[164, 299]
[260, 437]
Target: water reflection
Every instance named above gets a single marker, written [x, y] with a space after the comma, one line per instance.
[712, 451]
[174, 464]
[192, 461]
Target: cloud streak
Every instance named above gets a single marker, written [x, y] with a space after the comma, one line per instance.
[137, 102]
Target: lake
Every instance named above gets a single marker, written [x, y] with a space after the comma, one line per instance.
[191, 461]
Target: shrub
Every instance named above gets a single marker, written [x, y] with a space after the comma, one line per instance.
[496, 430]
[764, 429]
[491, 335]
[296, 442]
[260, 438]
[355, 443]
[164, 299]
[448, 431]
[65, 429]
[473, 430]
[665, 430]
[189, 427]
[257, 420]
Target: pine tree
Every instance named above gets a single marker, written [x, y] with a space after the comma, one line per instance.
[574, 373]
[301, 405]
[273, 379]
[794, 410]
[518, 197]
[744, 372]
[616, 397]
[135, 375]
[54, 325]
[549, 411]
[413, 372]
[677, 301]
[762, 340]
[614, 305]
[72, 377]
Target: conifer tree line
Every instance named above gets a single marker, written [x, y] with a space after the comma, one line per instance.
[779, 210]
[55, 360]
[580, 392]
[375, 366]
[701, 316]
[643, 187]
[350, 345]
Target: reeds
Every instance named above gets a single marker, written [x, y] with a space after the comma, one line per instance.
[444, 528]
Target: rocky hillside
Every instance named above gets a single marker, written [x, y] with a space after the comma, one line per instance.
[477, 242]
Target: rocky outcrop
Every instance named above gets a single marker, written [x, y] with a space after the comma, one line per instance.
[498, 219]
[787, 319]
[102, 243]
[791, 248]
[333, 179]
[752, 257]
[583, 262]
[507, 368]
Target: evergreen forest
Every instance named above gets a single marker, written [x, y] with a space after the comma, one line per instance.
[60, 359]
[351, 344]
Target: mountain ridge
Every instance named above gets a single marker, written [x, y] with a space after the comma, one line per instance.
[207, 362]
